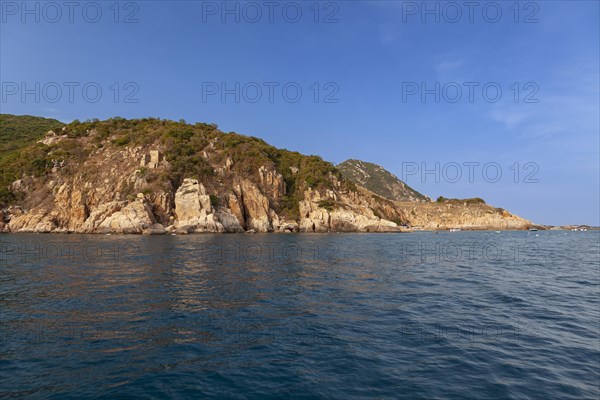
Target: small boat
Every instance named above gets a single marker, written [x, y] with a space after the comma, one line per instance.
[533, 229]
[455, 230]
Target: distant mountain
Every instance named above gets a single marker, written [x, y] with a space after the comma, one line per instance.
[380, 181]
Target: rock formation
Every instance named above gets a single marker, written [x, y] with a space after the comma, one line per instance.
[462, 215]
[154, 176]
[195, 213]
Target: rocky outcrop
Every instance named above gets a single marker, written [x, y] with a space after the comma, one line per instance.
[105, 179]
[322, 214]
[113, 217]
[236, 209]
[135, 217]
[162, 208]
[245, 208]
[255, 208]
[51, 138]
[229, 221]
[35, 221]
[66, 213]
[70, 207]
[193, 209]
[152, 160]
[272, 182]
[444, 216]
[195, 213]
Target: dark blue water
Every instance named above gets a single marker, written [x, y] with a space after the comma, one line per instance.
[419, 316]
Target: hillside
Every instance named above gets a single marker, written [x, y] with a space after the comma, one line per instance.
[132, 175]
[17, 131]
[156, 176]
[379, 180]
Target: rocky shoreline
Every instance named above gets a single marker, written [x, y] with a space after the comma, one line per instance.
[247, 211]
[157, 177]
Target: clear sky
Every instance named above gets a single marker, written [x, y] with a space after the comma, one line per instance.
[411, 86]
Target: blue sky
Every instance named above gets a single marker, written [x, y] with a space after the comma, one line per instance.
[369, 62]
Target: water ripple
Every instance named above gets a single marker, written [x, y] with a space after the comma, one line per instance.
[423, 316]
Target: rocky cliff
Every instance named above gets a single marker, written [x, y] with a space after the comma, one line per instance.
[156, 176]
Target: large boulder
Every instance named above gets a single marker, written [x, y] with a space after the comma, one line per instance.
[229, 221]
[193, 209]
[135, 217]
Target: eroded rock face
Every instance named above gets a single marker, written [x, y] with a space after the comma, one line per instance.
[161, 203]
[99, 215]
[35, 221]
[66, 213]
[72, 216]
[193, 209]
[256, 210]
[272, 182]
[352, 218]
[229, 221]
[135, 217]
[187, 202]
[236, 209]
[70, 207]
[97, 203]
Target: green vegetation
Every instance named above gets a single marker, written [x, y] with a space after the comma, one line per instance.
[299, 171]
[19, 151]
[474, 200]
[121, 141]
[183, 150]
[378, 180]
[215, 201]
[190, 150]
[326, 204]
[17, 131]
